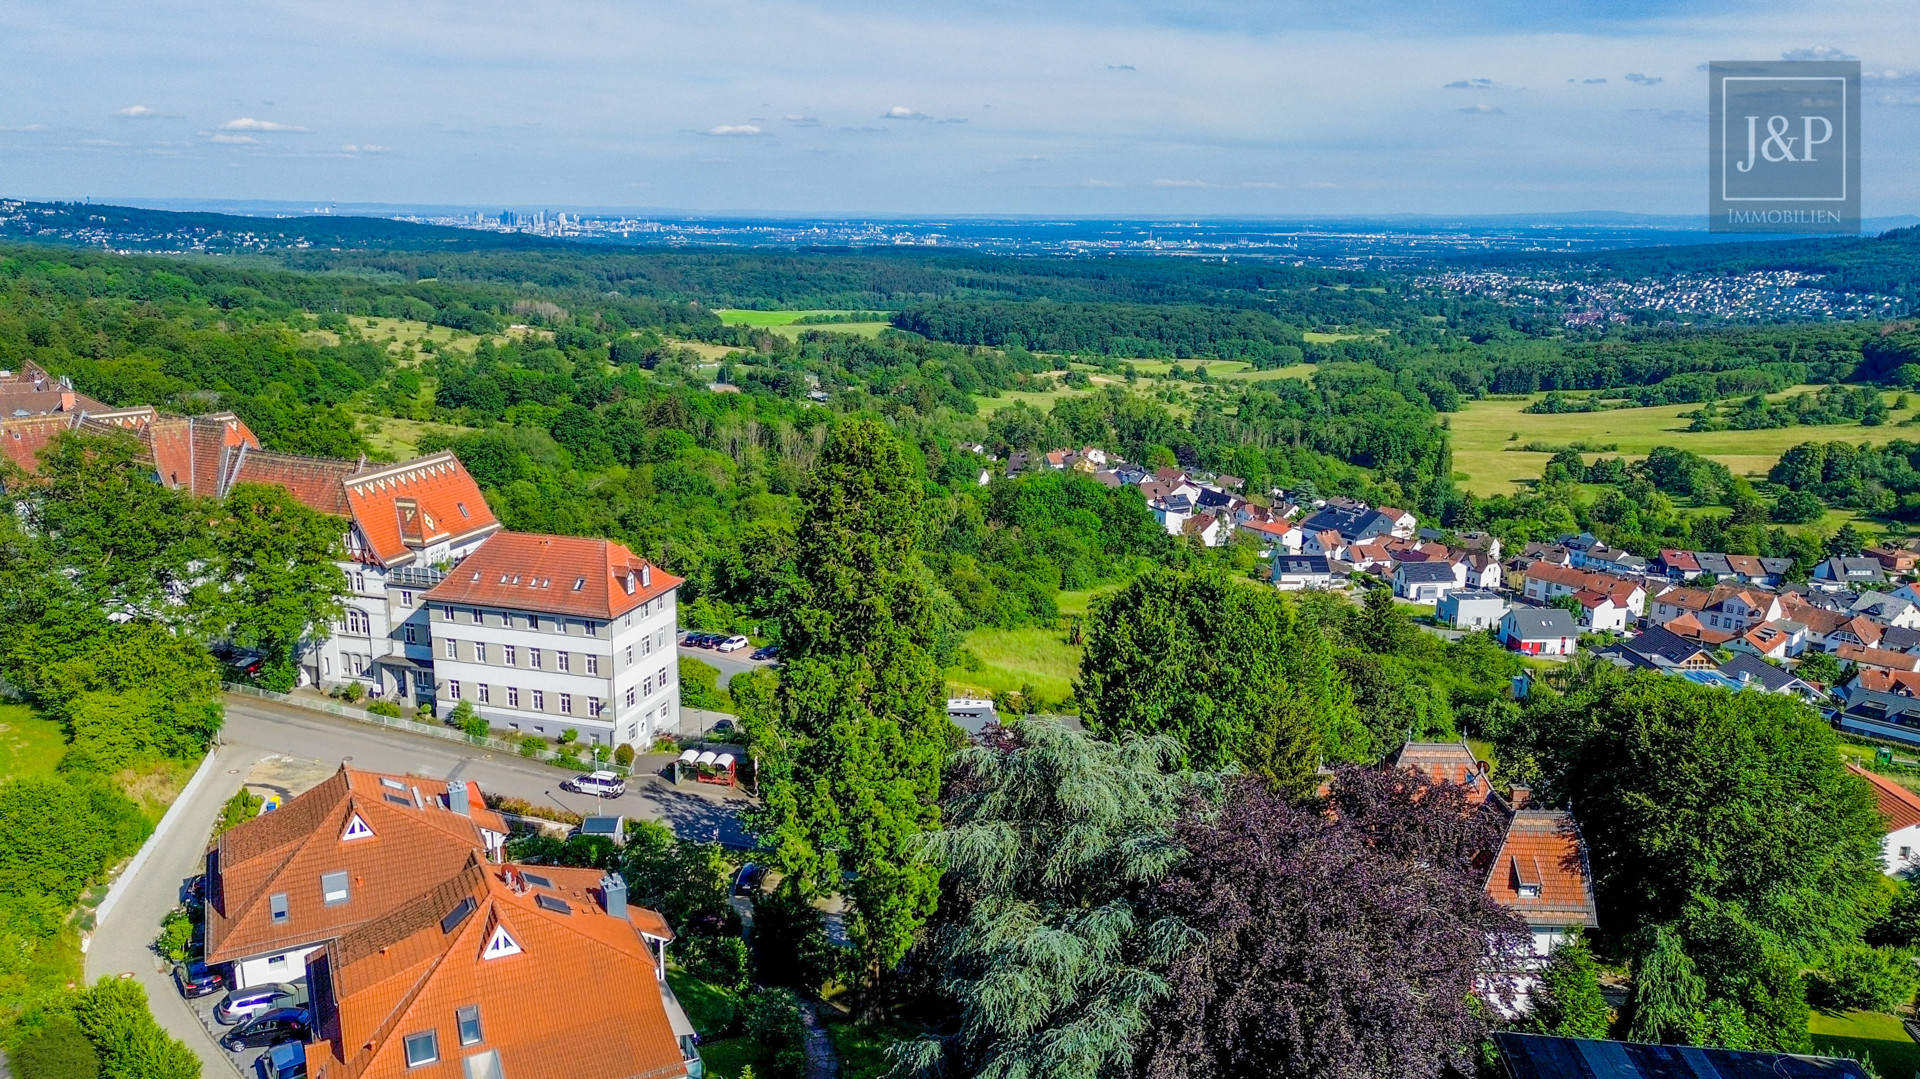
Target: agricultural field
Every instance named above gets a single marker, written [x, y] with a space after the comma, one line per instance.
[1011, 657]
[785, 323]
[1483, 430]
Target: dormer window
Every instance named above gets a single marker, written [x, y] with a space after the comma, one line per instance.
[356, 829]
[631, 582]
[500, 944]
[646, 576]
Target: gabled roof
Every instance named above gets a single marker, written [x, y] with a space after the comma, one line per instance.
[1899, 807]
[1426, 572]
[1880, 680]
[285, 852]
[416, 503]
[1680, 560]
[1688, 625]
[562, 987]
[1747, 668]
[1663, 643]
[1543, 852]
[566, 575]
[1877, 657]
[1536, 623]
[1446, 762]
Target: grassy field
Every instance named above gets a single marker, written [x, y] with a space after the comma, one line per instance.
[30, 744]
[862, 1048]
[1482, 434]
[1877, 1037]
[1042, 401]
[1011, 657]
[786, 324]
[1221, 369]
[1313, 338]
[401, 437]
[402, 331]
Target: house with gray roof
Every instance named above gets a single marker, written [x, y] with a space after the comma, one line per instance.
[1539, 631]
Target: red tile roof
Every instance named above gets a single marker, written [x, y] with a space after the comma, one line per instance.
[1543, 853]
[1876, 657]
[1445, 762]
[414, 834]
[576, 994]
[319, 483]
[1903, 683]
[1680, 560]
[1898, 806]
[416, 503]
[567, 575]
[23, 439]
[1689, 626]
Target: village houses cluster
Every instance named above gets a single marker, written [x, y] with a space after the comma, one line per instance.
[539, 634]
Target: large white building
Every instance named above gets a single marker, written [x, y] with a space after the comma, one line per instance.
[549, 633]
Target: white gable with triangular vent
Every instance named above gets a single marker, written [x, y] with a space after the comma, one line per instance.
[500, 943]
[356, 829]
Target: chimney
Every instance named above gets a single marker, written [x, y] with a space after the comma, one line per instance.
[457, 797]
[613, 890]
[1521, 793]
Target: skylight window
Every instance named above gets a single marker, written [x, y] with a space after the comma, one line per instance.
[579, 583]
[392, 783]
[400, 800]
[462, 507]
[536, 880]
[458, 914]
[553, 903]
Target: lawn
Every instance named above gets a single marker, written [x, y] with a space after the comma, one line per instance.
[863, 1048]
[1482, 436]
[1878, 1037]
[1011, 657]
[1040, 400]
[1071, 603]
[402, 330]
[30, 744]
[786, 323]
[709, 1007]
[726, 1058]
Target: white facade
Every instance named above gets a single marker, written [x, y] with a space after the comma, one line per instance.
[284, 966]
[1900, 851]
[383, 639]
[1471, 610]
[543, 674]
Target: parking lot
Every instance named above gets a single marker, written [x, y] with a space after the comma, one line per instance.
[246, 1060]
[729, 663]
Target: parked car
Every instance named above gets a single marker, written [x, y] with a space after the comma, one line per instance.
[708, 640]
[747, 881]
[193, 890]
[771, 651]
[288, 1060]
[196, 979]
[268, 1029]
[603, 784]
[241, 1005]
[733, 644]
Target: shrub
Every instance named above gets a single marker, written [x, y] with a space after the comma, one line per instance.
[773, 1018]
[352, 692]
[113, 1015]
[242, 807]
[569, 760]
[176, 936]
[278, 675]
[523, 808]
[475, 727]
[569, 736]
[384, 708]
[1861, 978]
[623, 756]
[532, 745]
[56, 1051]
[601, 754]
[719, 960]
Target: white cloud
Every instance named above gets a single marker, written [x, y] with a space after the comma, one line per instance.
[1260, 183]
[137, 112]
[1121, 67]
[29, 127]
[1179, 183]
[798, 120]
[248, 123]
[235, 140]
[1644, 80]
[901, 112]
[363, 148]
[1818, 52]
[1484, 109]
[733, 129]
[1100, 183]
[1469, 84]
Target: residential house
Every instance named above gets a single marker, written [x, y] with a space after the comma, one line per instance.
[544, 634]
[1326, 542]
[1780, 639]
[1480, 543]
[1354, 522]
[1900, 639]
[1428, 582]
[1600, 614]
[1838, 573]
[1447, 762]
[1292, 572]
[1279, 535]
[1754, 673]
[1539, 631]
[1881, 680]
[1688, 625]
[1609, 560]
[339, 855]
[1877, 657]
[1172, 511]
[1900, 811]
[1859, 631]
[1483, 570]
[1660, 649]
[1881, 715]
[1725, 608]
[1545, 582]
[502, 971]
[1679, 565]
[1471, 609]
[1895, 560]
[1887, 609]
[1205, 528]
[1541, 874]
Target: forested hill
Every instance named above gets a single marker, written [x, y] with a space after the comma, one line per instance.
[1888, 263]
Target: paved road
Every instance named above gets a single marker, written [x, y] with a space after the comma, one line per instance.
[729, 663]
[123, 944]
[277, 728]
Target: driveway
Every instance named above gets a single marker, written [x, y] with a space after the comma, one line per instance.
[122, 946]
[728, 663]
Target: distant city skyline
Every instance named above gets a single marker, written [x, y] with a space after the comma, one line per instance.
[1145, 108]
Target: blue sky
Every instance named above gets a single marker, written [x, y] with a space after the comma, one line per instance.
[999, 106]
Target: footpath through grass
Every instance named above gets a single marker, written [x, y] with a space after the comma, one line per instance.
[1872, 1035]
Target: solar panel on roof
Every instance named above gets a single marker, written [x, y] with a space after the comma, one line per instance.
[537, 880]
[458, 914]
[553, 903]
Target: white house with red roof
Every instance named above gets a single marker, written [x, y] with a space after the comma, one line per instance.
[1900, 814]
[544, 634]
